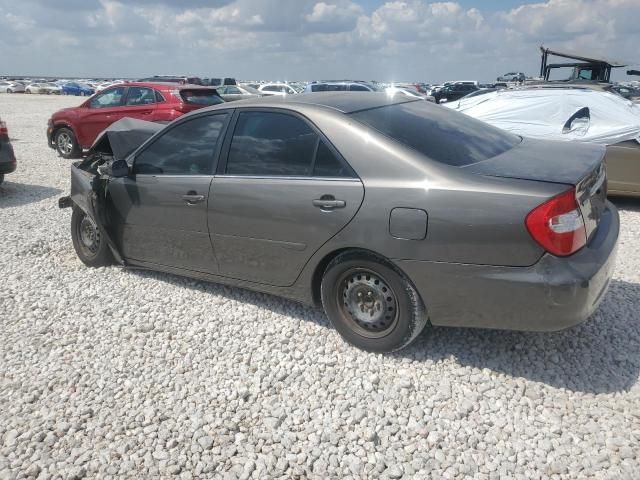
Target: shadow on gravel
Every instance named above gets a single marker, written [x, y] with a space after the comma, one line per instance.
[626, 203]
[601, 355]
[18, 194]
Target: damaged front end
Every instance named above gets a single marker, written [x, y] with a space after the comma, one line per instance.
[106, 161]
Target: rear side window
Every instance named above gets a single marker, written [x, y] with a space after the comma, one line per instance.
[438, 133]
[201, 96]
[140, 96]
[273, 144]
[358, 88]
[186, 149]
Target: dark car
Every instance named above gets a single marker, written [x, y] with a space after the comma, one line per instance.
[71, 130]
[462, 224]
[452, 92]
[7, 157]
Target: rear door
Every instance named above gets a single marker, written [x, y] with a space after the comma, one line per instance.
[161, 209]
[139, 103]
[101, 111]
[282, 192]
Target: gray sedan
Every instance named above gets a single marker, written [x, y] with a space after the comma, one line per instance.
[387, 211]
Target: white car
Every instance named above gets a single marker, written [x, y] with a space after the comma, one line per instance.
[11, 87]
[47, 88]
[277, 89]
[408, 92]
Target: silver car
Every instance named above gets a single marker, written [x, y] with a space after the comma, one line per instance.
[389, 212]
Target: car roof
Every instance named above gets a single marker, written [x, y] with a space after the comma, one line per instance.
[345, 102]
[163, 85]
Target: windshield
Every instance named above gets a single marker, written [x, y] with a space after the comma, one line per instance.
[438, 133]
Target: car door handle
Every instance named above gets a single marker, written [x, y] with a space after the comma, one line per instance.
[328, 202]
[193, 198]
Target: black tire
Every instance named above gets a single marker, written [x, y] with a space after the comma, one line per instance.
[371, 303]
[91, 248]
[66, 143]
[1, 178]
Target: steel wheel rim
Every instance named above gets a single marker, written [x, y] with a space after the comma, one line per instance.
[367, 302]
[65, 144]
[89, 235]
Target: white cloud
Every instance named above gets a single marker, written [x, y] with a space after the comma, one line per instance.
[306, 39]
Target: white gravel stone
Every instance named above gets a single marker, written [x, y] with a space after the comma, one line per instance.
[108, 373]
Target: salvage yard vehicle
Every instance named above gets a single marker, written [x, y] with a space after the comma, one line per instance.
[571, 114]
[7, 156]
[11, 87]
[43, 88]
[462, 224]
[77, 89]
[71, 130]
[231, 93]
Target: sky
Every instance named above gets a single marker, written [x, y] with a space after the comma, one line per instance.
[409, 40]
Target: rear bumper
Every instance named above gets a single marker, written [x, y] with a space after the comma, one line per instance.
[7, 159]
[554, 294]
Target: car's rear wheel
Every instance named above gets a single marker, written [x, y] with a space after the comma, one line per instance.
[90, 246]
[371, 303]
[66, 143]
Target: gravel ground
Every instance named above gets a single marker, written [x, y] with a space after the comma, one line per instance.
[126, 374]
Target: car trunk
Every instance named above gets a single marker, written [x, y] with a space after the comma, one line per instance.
[577, 164]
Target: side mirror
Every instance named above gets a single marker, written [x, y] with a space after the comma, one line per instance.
[115, 169]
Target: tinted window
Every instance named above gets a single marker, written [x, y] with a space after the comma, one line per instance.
[328, 165]
[271, 88]
[231, 90]
[322, 87]
[140, 96]
[184, 150]
[439, 133]
[266, 143]
[201, 96]
[109, 98]
[359, 88]
[336, 88]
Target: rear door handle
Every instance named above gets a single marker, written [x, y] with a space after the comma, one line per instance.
[192, 198]
[328, 202]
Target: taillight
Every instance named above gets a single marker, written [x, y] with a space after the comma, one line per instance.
[557, 225]
[3, 128]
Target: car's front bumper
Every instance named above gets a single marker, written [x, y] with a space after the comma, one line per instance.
[553, 294]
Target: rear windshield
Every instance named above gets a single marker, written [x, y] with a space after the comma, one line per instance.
[439, 133]
[201, 96]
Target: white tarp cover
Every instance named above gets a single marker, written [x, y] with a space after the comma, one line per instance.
[543, 113]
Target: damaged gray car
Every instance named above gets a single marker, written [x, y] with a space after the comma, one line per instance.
[389, 212]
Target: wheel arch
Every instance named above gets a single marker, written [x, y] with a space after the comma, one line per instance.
[321, 266]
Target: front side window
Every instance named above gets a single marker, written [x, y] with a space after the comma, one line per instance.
[186, 149]
[438, 133]
[273, 144]
[359, 88]
[108, 98]
[141, 96]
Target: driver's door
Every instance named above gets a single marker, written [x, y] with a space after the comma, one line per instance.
[101, 111]
[161, 208]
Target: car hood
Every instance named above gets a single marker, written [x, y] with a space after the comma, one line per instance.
[124, 136]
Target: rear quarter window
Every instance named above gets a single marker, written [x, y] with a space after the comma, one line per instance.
[438, 133]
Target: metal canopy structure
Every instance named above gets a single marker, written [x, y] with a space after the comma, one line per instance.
[586, 68]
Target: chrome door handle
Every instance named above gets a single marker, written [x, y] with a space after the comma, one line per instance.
[329, 203]
[192, 198]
